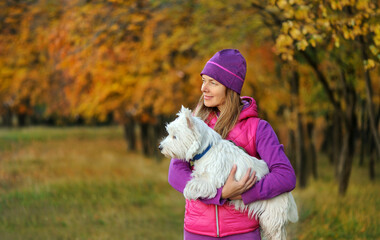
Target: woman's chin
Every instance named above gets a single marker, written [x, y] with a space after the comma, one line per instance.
[208, 104]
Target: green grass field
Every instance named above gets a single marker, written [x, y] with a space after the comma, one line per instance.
[80, 183]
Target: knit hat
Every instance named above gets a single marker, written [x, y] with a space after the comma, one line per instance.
[228, 67]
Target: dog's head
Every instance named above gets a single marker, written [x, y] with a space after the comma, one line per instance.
[184, 138]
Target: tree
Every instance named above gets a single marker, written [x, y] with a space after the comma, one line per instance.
[310, 25]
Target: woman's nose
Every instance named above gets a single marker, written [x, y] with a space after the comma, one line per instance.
[204, 87]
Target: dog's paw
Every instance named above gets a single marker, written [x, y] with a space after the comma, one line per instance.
[192, 190]
[189, 193]
[198, 189]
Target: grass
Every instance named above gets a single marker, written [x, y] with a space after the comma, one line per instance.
[80, 183]
[326, 215]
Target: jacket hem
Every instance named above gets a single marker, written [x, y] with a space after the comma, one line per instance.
[224, 234]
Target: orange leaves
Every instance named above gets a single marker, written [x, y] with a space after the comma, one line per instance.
[144, 57]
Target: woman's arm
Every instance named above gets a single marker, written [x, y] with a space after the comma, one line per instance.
[281, 177]
[180, 173]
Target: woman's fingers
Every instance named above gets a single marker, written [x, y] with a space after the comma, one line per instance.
[230, 186]
[233, 172]
[252, 180]
[233, 188]
[243, 181]
[248, 180]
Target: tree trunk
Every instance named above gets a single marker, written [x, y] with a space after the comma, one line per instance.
[21, 119]
[345, 162]
[371, 113]
[337, 141]
[159, 134]
[153, 137]
[312, 154]
[291, 149]
[145, 142]
[301, 160]
[350, 125]
[327, 146]
[130, 134]
[363, 135]
[300, 153]
[149, 139]
[372, 156]
[7, 117]
[337, 134]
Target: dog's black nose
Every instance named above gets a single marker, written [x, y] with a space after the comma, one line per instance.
[160, 148]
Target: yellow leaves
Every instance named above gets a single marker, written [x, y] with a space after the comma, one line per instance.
[114, 27]
[375, 51]
[296, 34]
[302, 45]
[312, 23]
[286, 26]
[313, 42]
[340, 4]
[284, 47]
[309, 29]
[336, 40]
[376, 30]
[293, 30]
[116, 1]
[365, 5]
[138, 17]
[323, 10]
[289, 13]
[335, 5]
[282, 4]
[369, 64]
[347, 34]
[284, 40]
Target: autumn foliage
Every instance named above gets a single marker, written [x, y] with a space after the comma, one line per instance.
[313, 65]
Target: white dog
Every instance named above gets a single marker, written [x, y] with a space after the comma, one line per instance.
[189, 136]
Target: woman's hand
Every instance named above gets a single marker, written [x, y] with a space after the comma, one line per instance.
[233, 189]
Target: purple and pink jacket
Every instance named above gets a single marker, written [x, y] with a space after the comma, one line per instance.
[215, 217]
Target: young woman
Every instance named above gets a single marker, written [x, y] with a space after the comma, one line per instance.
[236, 119]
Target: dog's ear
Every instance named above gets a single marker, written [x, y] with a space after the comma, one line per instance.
[190, 123]
[189, 117]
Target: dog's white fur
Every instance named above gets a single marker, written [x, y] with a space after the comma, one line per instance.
[188, 136]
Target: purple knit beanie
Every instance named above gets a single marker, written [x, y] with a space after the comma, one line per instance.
[228, 67]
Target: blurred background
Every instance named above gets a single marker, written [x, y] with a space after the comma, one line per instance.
[87, 86]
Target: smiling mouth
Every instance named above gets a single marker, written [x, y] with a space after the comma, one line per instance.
[207, 97]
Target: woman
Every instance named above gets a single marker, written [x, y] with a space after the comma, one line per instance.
[236, 119]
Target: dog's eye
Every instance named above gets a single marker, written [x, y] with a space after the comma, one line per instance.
[174, 137]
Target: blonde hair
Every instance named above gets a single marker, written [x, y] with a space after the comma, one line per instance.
[227, 118]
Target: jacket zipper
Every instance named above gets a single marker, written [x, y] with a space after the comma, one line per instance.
[217, 220]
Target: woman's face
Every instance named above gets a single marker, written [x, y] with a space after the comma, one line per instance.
[214, 93]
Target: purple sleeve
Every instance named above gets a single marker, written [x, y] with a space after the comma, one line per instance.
[180, 173]
[281, 177]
